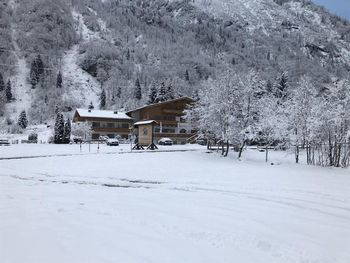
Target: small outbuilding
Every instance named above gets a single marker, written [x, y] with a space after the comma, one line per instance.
[145, 133]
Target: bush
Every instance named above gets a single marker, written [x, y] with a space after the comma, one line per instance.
[33, 137]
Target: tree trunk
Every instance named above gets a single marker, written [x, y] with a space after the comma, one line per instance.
[330, 150]
[241, 149]
[297, 154]
[227, 148]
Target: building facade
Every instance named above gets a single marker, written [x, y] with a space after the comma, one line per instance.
[169, 116]
[105, 123]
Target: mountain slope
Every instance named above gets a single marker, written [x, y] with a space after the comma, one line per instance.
[112, 45]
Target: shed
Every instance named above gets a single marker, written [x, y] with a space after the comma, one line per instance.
[145, 132]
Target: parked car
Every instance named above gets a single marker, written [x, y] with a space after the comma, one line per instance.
[112, 142]
[165, 141]
[103, 138]
[77, 139]
[4, 142]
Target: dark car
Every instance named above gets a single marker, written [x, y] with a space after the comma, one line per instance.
[77, 139]
[4, 142]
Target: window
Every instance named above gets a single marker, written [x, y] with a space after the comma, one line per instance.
[111, 136]
[95, 124]
[169, 118]
[125, 125]
[145, 131]
[168, 130]
[182, 131]
[110, 125]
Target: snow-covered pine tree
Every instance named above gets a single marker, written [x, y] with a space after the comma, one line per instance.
[67, 131]
[2, 95]
[2, 103]
[103, 100]
[22, 120]
[187, 75]
[152, 96]
[281, 88]
[36, 71]
[137, 91]
[59, 129]
[162, 95]
[170, 92]
[8, 91]
[91, 106]
[2, 83]
[59, 80]
[57, 109]
[119, 92]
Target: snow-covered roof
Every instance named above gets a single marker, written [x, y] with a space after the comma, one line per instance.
[106, 114]
[144, 122]
[163, 102]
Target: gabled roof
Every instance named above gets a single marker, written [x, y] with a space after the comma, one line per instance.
[161, 103]
[102, 114]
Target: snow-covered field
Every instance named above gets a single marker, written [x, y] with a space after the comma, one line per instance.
[189, 206]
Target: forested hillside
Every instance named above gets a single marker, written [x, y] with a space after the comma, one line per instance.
[63, 54]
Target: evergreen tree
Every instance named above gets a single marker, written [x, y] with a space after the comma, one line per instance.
[2, 103]
[281, 89]
[36, 71]
[113, 98]
[59, 129]
[103, 100]
[8, 92]
[152, 97]
[187, 75]
[91, 106]
[67, 131]
[162, 96]
[170, 93]
[22, 120]
[137, 91]
[119, 92]
[59, 80]
[128, 54]
[57, 109]
[2, 83]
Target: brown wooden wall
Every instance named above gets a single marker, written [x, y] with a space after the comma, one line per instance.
[145, 134]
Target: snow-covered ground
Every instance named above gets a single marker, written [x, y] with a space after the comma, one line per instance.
[36, 150]
[189, 206]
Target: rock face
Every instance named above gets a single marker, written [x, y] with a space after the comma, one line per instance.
[112, 44]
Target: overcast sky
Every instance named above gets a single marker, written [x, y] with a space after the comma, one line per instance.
[339, 7]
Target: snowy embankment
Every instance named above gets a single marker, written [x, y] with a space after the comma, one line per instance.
[172, 207]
